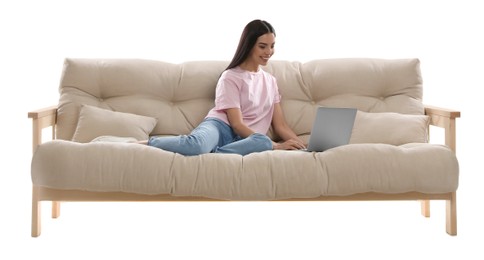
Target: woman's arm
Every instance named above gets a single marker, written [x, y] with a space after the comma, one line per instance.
[234, 116]
[279, 124]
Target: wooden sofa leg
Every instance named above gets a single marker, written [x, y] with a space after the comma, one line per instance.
[425, 208]
[55, 209]
[35, 212]
[451, 215]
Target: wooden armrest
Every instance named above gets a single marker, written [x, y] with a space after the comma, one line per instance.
[43, 112]
[42, 118]
[445, 118]
[439, 111]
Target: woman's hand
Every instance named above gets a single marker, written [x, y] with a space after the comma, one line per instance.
[291, 144]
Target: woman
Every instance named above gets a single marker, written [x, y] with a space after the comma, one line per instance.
[247, 103]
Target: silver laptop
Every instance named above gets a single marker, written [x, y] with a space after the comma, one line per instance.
[332, 127]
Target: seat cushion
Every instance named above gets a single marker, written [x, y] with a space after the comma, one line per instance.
[270, 175]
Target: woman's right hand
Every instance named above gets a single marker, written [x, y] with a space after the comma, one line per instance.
[290, 144]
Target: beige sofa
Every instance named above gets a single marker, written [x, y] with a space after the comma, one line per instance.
[388, 158]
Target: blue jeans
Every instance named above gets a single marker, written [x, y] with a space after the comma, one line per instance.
[212, 136]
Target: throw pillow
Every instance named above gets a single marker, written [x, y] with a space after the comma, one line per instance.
[389, 128]
[94, 122]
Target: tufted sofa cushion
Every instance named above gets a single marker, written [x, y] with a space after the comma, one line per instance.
[269, 175]
[180, 95]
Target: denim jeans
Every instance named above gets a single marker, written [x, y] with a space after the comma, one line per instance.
[212, 136]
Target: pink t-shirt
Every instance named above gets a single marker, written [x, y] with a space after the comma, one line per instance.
[255, 93]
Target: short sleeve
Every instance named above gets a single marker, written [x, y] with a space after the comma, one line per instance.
[277, 96]
[227, 93]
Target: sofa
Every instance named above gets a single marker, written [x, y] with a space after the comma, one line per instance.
[106, 105]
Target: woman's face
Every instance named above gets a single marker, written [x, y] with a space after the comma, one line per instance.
[263, 49]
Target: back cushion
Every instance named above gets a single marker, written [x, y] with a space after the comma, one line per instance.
[177, 95]
[370, 85]
[180, 95]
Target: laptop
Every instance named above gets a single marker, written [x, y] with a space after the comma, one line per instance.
[332, 127]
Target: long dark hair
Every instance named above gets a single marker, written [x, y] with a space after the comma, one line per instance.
[252, 31]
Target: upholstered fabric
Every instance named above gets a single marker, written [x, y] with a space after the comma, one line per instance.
[95, 122]
[268, 175]
[389, 128]
[178, 96]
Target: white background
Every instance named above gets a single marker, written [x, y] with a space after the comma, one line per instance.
[36, 36]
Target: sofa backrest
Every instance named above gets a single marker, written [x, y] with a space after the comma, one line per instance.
[180, 95]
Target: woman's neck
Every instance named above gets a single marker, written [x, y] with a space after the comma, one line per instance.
[252, 67]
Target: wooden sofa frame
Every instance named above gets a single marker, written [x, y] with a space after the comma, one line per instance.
[44, 118]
